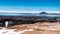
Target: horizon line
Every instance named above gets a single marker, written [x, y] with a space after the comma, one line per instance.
[29, 11]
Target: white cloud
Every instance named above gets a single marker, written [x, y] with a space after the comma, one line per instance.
[20, 11]
[29, 11]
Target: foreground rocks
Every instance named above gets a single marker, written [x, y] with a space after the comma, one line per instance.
[40, 28]
[37, 28]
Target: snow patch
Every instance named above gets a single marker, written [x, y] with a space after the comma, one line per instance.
[11, 31]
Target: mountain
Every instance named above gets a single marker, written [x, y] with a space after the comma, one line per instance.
[43, 13]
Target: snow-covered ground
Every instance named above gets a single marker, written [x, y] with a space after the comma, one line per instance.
[12, 31]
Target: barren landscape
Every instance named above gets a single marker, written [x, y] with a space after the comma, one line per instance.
[37, 28]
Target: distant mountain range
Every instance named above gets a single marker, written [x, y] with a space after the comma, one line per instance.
[50, 13]
[29, 14]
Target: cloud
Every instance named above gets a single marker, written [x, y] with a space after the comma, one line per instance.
[29, 11]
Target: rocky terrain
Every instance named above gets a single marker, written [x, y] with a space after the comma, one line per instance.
[37, 28]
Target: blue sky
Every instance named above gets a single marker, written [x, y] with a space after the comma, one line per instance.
[30, 5]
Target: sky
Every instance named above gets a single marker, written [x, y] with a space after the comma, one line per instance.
[30, 6]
